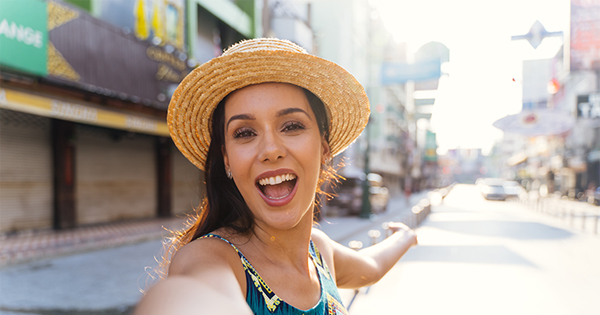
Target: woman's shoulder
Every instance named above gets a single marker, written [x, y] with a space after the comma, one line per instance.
[322, 241]
[202, 255]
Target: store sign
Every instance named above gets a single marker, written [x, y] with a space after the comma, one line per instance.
[430, 147]
[24, 36]
[82, 113]
[588, 106]
[98, 57]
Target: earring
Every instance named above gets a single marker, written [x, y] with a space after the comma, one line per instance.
[229, 174]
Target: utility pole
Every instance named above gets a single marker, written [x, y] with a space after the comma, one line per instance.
[365, 211]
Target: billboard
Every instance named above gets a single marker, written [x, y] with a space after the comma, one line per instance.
[24, 36]
[585, 35]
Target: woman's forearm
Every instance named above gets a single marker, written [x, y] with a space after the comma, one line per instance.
[386, 253]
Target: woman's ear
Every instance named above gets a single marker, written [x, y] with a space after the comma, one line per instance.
[225, 158]
[326, 151]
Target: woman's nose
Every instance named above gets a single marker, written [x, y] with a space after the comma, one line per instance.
[271, 148]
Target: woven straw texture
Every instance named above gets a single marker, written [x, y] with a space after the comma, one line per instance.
[260, 61]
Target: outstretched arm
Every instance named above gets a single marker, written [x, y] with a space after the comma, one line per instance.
[186, 295]
[367, 266]
[202, 280]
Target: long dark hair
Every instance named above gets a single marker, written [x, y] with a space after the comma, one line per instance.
[223, 205]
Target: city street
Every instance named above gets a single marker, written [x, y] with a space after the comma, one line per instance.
[474, 257]
[489, 257]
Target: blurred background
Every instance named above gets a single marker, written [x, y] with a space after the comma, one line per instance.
[504, 94]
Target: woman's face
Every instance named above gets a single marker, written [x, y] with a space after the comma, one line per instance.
[274, 151]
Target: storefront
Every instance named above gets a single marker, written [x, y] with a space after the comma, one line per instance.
[83, 133]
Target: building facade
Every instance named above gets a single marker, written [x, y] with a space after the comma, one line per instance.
[84, 88]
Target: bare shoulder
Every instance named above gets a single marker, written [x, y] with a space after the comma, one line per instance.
[202, 255]
[321, 240]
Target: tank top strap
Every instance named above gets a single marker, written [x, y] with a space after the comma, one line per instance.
[210, 235]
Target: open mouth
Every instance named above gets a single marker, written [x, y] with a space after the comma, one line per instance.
[277, 187]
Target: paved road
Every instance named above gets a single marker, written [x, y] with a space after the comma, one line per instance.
[484, 257]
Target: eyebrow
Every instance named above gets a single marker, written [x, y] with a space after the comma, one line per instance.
[291, 110]
[239, 117]
[283, 112]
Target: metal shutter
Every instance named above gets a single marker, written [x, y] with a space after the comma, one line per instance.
[115, 175]
[25, 172]
[188, 184]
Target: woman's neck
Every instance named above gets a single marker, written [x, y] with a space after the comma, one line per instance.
[284, 245]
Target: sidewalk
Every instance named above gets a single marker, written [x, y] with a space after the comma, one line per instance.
[36, 245]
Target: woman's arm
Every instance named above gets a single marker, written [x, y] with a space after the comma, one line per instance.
[202, 280]
[367, 266]
[187, 295]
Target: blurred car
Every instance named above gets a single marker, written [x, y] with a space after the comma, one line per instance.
[348, 194]
[512, 189]
[492, 189]
[593, 196]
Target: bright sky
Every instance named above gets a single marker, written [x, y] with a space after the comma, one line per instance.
[483, 59]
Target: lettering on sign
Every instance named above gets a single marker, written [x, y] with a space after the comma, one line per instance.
[23, 34]
[138, 123]
[157, 54]
[591, 108]
[72, 111]
[165, 73]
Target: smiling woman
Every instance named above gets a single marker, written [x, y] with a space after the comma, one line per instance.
[263, 121]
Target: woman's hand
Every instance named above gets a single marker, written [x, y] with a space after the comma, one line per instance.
[356, 269]
[401, 227]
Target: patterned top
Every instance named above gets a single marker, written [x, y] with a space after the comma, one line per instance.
[262, 300]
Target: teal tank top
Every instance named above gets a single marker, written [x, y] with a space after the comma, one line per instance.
[262, 300]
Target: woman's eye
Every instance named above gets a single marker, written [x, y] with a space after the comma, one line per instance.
[293, 126]
[243, 133]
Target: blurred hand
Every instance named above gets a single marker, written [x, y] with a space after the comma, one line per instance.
[401, 227]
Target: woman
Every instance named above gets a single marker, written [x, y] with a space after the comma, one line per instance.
[263, 121]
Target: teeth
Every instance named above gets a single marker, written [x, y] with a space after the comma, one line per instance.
[276, 180]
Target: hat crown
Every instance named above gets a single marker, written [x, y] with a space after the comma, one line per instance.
[264, 44]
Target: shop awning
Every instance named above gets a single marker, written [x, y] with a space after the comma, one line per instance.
[80, 112]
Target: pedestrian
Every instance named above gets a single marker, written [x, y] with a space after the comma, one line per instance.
[263, 121]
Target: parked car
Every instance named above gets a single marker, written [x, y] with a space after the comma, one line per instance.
[512, 189]
[492, 189]
[348, 194]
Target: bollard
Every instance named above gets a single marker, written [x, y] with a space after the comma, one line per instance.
[374, 235]
[571, 218]
[414, 221]
[386, 229]
[356, 245]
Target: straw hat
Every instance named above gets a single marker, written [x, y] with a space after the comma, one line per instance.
[259, 61]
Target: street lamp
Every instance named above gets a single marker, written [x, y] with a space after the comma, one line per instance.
[365, 211]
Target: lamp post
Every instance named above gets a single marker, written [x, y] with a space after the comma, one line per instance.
[365, 211]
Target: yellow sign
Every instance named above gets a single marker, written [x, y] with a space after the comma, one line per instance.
[48, 107]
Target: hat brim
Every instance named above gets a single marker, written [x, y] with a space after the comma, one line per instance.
[195, 99]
